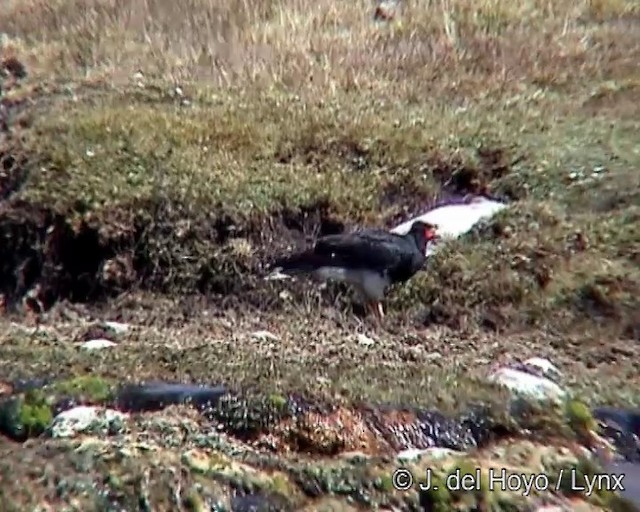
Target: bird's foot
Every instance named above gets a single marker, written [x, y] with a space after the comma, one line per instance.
[377, 311]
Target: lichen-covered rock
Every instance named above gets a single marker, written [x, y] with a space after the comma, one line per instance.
[84, 418]
[535, 378]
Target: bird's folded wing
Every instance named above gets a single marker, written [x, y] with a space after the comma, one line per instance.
[375, 251]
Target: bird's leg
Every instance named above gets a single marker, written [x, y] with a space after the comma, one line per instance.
[370, 308]
[376, 309]
[355, 316]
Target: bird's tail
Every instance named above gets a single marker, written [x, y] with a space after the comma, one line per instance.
[300, 263]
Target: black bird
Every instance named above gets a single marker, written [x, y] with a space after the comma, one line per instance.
[370, 260]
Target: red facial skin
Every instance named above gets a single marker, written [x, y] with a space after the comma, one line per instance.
[430, 233]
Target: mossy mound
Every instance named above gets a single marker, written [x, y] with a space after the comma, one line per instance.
[30, 413]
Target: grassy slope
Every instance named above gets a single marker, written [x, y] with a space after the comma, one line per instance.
[300, 104]
[330, 107]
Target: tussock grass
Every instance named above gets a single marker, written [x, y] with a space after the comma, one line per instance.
[229, 113]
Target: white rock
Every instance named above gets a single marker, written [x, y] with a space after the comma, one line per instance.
[415, 454]
[264, 336]
[546, 366]
[455, 220]
[97, 344]
[364, 340]
[433, 356]
[79, 419]
[524, 383]
[284, 295]
[386, 10]
[117, 327]
[276, 275]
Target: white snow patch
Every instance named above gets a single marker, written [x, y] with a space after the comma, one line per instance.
[276, 275]
[454, 220]
[364, 340]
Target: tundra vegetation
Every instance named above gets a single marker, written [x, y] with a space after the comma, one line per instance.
[156, 156]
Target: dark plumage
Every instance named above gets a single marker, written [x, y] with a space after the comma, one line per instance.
[370, 260]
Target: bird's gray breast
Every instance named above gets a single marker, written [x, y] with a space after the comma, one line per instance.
[332, 274]
[368, 282]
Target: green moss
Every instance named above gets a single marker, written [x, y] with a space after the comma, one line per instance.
[437, 498]
[384, 483]
[467, 484]
[35, 413]
[280, 484]
[579, 417]
[114, 481]
[336, 479]
[218, 461]
[464, 476]
[88, 387]
[202, 464]
[250, 413]
[279, 402]
[25, 415]
[128, 162]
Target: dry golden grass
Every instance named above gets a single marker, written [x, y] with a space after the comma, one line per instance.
[435, 51]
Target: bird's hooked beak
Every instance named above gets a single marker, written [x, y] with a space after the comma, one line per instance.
[431, 233]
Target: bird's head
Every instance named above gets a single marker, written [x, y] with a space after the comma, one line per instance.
[424, 232]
